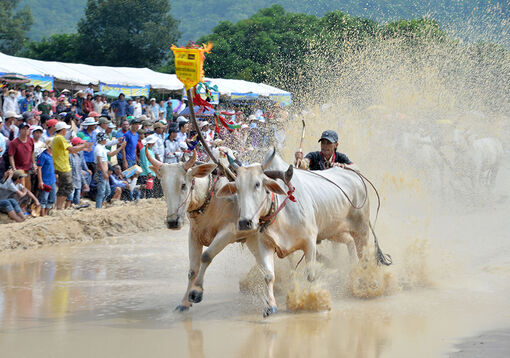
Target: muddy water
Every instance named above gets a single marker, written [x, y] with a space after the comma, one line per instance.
[115, 297]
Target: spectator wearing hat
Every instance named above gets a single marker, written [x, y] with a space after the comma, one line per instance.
[61, 104]
[9, 205]
[9, 129]
[102, 125]
[21, 153]
[49, 133]
[152, 110]
[131, 139]
[137, 108]
[10, 103]
[173, 148]
[87, 106]
[39, 143]
[102, 176]
[61, 149]
[119, 107]
[112, 139]
[80, 98]
[147, 176]
[81, 174]
[47, 181]
[22, 194]
[88, 133]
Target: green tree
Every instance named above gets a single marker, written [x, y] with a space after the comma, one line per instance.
[126, 32]
[59, 47]
[13, 26]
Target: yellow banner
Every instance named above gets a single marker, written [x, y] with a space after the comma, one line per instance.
[189, 64]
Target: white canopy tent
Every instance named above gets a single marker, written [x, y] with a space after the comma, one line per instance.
[124, 76]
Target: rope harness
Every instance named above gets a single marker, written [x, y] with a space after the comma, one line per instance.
[210, 194]
[268, 219]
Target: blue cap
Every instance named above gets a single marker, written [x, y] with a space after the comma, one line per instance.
[330, 136]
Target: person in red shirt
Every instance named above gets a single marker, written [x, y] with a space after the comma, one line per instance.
[87, 106]
[139, 145]
[22, 154]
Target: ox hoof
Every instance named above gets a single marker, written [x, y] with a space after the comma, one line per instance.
[268, 311]
[195, 296]
[182, 308]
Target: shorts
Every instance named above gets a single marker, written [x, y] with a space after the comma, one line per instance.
[64, 183]
[9, 205]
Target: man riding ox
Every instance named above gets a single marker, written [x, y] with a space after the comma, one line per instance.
[331, 205]
[190, 189]
[327, 157]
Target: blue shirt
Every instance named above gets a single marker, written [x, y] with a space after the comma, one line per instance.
[2, 145]
[45, 161]
[121, 107]
[131, 141]
[130, 110]
[114, 182]
[26, 105]
[89, 137]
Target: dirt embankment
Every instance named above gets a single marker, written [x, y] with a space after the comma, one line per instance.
[83, 225]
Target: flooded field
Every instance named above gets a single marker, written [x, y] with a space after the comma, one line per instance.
[115, 297]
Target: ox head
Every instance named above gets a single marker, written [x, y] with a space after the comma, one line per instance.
[253, 187]
[176, 181]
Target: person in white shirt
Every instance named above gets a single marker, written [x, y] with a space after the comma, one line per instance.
[98, 103]
[159, 146]
[137, 108]
[102, 176]
[173, 148]
[182, 135]
[39, 144]
[11, 103]
[90, 89]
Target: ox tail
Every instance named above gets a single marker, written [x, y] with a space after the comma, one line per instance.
[381, 258]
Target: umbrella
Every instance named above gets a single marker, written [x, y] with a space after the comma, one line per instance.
[14, 78]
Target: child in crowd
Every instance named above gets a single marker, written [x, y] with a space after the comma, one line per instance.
[47, 179]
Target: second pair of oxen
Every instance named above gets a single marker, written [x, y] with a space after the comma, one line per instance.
[250, 210]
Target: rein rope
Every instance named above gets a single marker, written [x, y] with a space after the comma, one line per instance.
[363, 178]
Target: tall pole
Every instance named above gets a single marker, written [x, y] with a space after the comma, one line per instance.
[226, 170]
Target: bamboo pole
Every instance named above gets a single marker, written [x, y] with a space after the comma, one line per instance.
[226, 170]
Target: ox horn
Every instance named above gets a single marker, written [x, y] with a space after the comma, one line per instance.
[232, 162]
[269, 160]
[191, 161]
[155, 163]
[280, 174]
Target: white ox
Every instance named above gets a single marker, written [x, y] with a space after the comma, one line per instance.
[213, 220]
[322, 211]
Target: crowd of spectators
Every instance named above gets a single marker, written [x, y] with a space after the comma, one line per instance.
[56, 150]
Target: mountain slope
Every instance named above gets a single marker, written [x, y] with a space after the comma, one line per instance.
[199, 17]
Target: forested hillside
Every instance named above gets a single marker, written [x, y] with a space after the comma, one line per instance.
[199, 17]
